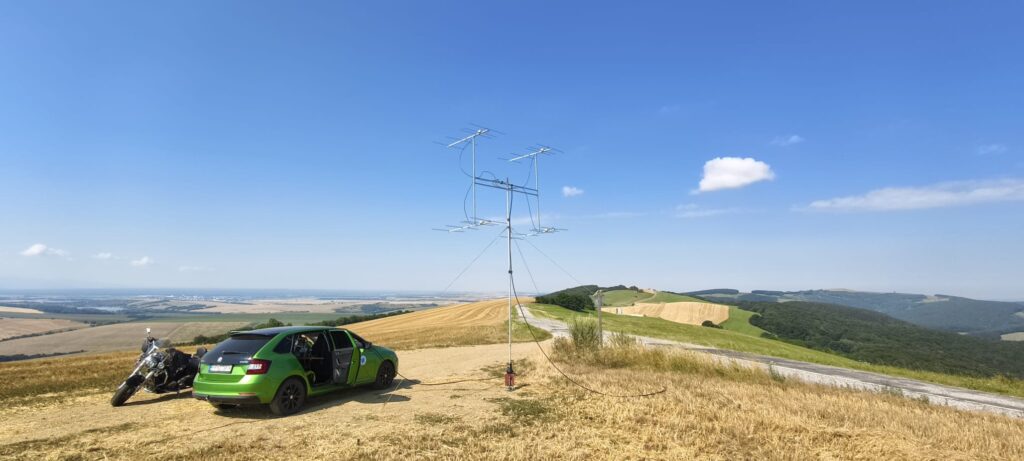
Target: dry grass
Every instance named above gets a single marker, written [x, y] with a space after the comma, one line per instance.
[58, 379]
[708, 412]
[484, 322]
[10, 328]
[46, 379]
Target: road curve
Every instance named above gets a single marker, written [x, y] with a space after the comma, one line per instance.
[938, 394]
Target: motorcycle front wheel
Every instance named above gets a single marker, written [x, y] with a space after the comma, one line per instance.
[125, 392]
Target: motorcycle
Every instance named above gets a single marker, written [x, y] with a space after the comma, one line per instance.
[160, 369]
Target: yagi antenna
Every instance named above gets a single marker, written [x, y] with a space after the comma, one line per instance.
[460, 143]
[534, 157]
[511, 190]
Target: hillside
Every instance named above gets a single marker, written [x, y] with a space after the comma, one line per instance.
[951, 313]
[484, 322]
[873, 337]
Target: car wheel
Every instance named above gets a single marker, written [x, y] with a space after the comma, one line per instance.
[289, 398]
[385, 375]
[224, 406]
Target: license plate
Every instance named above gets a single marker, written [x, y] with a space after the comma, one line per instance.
[220, 369]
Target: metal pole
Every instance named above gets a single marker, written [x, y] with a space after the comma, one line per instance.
[475, 220]
[508, 231]
[536, 174]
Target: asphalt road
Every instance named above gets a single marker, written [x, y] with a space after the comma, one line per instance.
[937, 394]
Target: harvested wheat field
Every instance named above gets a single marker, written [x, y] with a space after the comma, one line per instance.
[120, 336]
[707, 411]
[19, 310]
[483, 322]
[276, 306]
[10, 328]
[690, 313]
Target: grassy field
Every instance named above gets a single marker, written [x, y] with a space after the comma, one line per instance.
[20, 327]
[294, 318]
[665, 297]
[739, 321]
[616, 298]
[743, 342]
[484, 322]
[706, 411]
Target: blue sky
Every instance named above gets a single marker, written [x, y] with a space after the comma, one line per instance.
[868, 146]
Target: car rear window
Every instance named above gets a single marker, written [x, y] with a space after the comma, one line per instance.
[236, 349]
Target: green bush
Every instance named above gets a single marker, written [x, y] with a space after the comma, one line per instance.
[584, 334]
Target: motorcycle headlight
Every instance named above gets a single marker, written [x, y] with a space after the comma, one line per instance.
[151, 361]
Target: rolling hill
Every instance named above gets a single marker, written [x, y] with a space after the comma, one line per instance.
[988, 319]
[873, 337]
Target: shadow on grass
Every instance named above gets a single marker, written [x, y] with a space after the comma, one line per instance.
[162, 398]
[363, 395]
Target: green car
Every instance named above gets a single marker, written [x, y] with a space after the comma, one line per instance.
[282, 366]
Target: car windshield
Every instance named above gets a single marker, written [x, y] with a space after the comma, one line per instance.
[236, 348]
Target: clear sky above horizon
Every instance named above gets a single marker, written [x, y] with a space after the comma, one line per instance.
[794, 145]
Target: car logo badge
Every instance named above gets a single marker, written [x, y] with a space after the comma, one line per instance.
[220, 359]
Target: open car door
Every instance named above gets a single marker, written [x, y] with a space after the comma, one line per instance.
[342, 357]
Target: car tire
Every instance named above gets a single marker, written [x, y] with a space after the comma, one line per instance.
[290, 397]
[385, 375]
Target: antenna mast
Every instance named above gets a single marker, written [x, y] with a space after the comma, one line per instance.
[475, 221]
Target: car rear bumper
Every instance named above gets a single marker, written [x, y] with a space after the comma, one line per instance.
[229, 399]
[250, 389]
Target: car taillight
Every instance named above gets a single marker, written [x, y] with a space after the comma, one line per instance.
[258, 367]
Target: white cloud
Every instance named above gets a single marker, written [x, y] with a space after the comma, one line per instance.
[104, 256]
[34, 250]
[143, 261]
[959, 193]
[992, 149]
[40, 249]
[784, 141]
[691, 210]
[733, 172]
[570, 191]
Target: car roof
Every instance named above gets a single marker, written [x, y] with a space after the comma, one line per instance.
[278, 330]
